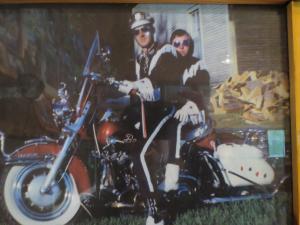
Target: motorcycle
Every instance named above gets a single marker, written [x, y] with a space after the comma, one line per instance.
[88, 168]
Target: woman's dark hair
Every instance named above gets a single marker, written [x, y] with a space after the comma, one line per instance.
[179, 33]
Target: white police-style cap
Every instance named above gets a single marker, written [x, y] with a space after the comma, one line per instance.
[140, 19]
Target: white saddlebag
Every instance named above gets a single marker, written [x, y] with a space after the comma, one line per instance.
[245, 161]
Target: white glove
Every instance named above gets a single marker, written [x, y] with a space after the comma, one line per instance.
[190, 112]
[192, 71]
[197, 118]
[167, 48]
[145, 88]
[126, 86]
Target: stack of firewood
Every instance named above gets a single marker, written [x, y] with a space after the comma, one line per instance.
[259, 97]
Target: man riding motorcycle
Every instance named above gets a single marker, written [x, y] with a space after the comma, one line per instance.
[157, 71]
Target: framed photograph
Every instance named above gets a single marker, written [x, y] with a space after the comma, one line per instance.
[149, 113]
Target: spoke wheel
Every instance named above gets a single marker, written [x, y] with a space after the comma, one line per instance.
[25, 204]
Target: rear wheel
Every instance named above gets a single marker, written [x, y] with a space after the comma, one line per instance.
[23, 203]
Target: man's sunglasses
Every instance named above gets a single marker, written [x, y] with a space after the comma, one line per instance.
[185, 43]
[136, 32]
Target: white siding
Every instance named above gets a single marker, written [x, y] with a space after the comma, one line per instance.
[216, 41]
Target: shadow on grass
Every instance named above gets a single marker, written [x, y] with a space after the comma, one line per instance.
[275, 211]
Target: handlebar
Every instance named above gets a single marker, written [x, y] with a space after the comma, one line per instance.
[94, 76]
[111, 81]
[100, 78]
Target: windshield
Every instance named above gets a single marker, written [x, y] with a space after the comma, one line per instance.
[94, 50]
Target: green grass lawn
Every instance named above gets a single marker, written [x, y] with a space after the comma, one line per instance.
[276, 211]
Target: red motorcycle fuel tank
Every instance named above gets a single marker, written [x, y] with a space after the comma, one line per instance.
[105, 130]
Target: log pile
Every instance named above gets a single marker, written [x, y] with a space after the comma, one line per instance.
[259, 97]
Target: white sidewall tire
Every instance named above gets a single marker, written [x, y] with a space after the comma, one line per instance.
[21, 218]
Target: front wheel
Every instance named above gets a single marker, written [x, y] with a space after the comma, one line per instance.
[23, 203]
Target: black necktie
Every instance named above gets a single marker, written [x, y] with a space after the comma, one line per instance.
[144, 61]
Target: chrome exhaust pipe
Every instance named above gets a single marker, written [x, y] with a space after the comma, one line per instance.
[278, 185]
[120, 205]
[249, 197]
[238, 198]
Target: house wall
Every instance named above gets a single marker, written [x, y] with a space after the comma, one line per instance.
[261, 37]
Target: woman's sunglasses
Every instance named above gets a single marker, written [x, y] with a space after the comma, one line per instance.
[136, 32]
[185, 43]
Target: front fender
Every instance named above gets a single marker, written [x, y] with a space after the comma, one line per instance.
[76, 167]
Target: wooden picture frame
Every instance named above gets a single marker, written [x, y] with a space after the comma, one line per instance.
[293, 12]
